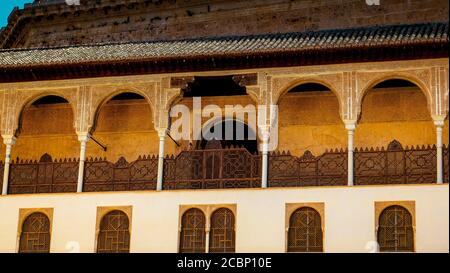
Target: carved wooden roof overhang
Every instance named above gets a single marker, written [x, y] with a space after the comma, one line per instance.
[380, 43]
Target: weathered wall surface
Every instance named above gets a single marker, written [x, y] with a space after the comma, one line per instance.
[308, 121]
[349, 216]
[162, 20]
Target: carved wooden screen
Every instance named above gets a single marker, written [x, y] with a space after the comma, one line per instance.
[395, 230]
[114, 235]
[305, 231]
[35, 235]
[212, 169]
[222, 233]
[45, 176]
[192, 237]
[445, 159]
[102, 175]
[395, 165]
[329, 169]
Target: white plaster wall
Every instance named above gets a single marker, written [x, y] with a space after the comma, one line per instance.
[260, 220]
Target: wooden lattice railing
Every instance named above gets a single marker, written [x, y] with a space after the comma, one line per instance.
[229, 168]
[329, 169]
[43, 176]
[102, 175]
[212, 169]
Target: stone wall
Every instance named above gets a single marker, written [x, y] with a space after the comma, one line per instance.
[106, 22]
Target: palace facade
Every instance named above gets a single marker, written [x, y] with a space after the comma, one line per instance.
[360, 162]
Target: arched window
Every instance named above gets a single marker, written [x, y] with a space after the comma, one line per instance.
[114, 235]
[192, 237]
[35, 235]
[222, 235]
[395, 230]
[305, 231]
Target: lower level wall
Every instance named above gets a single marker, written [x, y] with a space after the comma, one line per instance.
[349, 216]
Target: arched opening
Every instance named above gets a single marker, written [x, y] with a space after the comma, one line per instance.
[394, 109]
[114, 234]
[124, 117]
[232, 133]
[309, 120]
[222, 236]
[305, 231]
[46, 125]
[192, 236]
[35, 234]
[395, 230]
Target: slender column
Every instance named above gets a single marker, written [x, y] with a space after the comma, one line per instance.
[439, 164]
[350, 127]
[207, 239]
[265, 133]
[162, 135]
[9, 142]
[83, 138]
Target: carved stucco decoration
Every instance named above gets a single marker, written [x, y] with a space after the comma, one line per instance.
[15, 100]
[158, 94]
[420, 77]
[336, 82]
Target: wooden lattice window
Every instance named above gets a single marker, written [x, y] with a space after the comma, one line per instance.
[395, 230]
[192, 237]
[222, 234]
[114, 235]
[305, 231]
[35, 235]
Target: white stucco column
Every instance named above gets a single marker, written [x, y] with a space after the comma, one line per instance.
[350, 126]
[9, 141]
[162, 137]
[207, 239]
[83, 138]
[265, 135]
[439, 123]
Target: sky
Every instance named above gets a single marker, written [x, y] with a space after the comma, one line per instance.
[6, 6]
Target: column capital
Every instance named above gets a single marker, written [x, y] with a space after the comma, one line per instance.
[9, 140]
[350, 125]
[162, 132]
[438, 120]
[83, 137]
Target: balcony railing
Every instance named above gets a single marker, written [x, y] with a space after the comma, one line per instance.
[213, 169]
[45, 176]
[230, 168]
[102, 175]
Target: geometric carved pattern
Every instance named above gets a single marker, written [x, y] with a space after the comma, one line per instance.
[45, 176]
[101, 175]
[395, 230]
[396, 165]
[222, 234]
[35, 235]
[212, 169]
[114, 235]
[192, 237]
[329, 169]
[305, 231]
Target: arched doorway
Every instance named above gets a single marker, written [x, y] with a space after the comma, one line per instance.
[233, 133]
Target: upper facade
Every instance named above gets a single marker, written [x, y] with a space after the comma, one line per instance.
[53, 23]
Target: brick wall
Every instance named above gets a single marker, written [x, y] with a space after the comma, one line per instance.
[101, 21]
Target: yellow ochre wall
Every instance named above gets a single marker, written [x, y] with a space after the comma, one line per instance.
[349, 216]
[307, 121]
